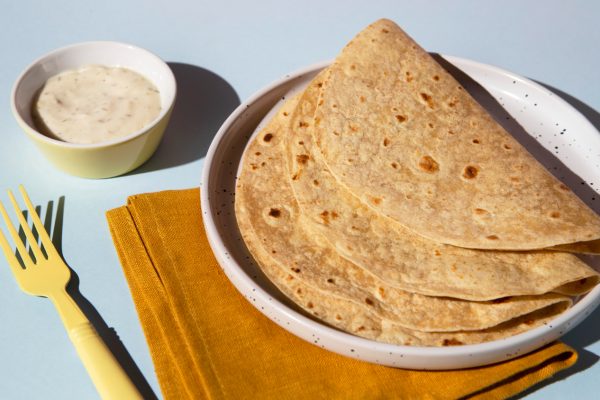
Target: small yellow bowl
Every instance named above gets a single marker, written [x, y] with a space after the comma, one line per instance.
[104, 159]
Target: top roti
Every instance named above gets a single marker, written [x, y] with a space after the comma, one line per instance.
[398, 131]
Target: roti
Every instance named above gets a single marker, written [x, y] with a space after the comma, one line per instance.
[313, 203]
[300, 262]
[401, 134]
[353, 318]
[402, 258]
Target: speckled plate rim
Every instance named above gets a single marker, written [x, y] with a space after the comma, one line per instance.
[413, 357]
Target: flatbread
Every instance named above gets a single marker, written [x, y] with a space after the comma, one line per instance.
[353, 318]
[297, 260]
[336, 253]
[401, 258]
[592, 247]
[402, 135]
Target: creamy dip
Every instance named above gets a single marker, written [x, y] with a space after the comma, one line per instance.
[95, 104]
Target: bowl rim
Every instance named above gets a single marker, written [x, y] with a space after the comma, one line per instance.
[523, 342]
[37, 135]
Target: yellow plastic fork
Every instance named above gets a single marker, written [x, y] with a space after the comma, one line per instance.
[48, 276]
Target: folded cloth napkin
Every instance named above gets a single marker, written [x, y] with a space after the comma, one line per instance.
[207, 341]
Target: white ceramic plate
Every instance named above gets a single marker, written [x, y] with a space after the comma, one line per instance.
[557, 134]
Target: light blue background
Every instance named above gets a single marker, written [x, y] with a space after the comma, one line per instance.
[246, 44]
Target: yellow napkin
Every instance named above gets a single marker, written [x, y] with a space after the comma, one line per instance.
[207, 341]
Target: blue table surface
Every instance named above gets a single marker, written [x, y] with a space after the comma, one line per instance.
[221, 53]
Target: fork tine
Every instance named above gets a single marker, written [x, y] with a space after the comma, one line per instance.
[15, 236]
[13, 262]
[33, 245]
[39, 225]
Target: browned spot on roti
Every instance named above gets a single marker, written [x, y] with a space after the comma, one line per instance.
[492, 237]
[267, 138]
[428, 99]
[325, 217]
[554, 214]
[470, 172]
[275, 213]
[428, 164]
[302, 158]
[400, 118]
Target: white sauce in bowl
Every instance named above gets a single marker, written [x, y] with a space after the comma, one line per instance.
[95, 104]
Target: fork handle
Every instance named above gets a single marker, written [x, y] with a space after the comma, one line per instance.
[108, 376]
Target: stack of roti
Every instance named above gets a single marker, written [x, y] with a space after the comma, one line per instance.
[387, 202]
